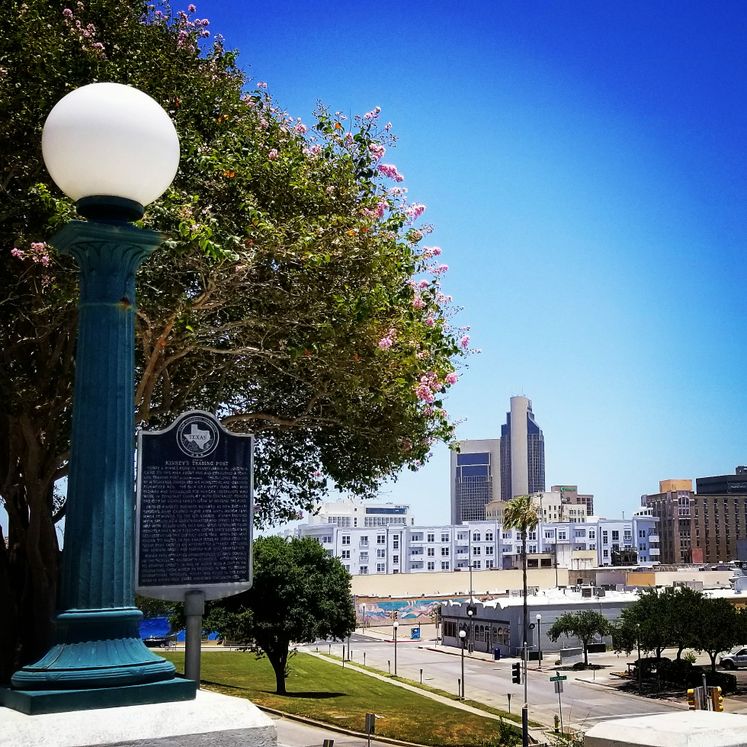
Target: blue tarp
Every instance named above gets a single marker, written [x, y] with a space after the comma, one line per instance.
[158, 627]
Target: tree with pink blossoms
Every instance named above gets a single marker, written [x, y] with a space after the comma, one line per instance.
[291, 295]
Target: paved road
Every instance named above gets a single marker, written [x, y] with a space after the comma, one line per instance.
[583, 703]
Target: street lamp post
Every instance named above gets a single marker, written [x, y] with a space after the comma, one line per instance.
[463, 639]
[471, 612]
[395, 625]
[638, 644]
[113, 150]
[539, 640]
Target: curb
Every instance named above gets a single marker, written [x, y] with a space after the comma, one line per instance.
[338, 729]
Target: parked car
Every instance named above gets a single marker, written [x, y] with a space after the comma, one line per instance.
[735, 658]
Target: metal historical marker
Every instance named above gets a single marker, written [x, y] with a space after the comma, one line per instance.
[194, 510]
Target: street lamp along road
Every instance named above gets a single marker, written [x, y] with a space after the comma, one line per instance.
[463, 639]
[113, 150]
[395, 626]
[539, 640]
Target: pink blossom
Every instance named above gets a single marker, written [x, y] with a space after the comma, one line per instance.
[431, 251]
[314, 150]
[191, 8]
[273, 154]
[330, 189]
[385, 343]
[67, 13]
[377, 151]
[418, 303]
[17, 253]
[440, 270]
[451, 378]
[464, 342]
[415, 211]
[390, 170]
[430, 321]
[373, 113]
[415, 235]
[423, 284]
[301, 128]
[349, 138]
[261, 84]
[423, 392]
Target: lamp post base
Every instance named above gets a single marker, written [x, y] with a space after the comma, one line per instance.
[34, 702]
[95, 649]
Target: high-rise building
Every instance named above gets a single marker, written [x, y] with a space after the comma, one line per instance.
[475, 478]
[522, 454]
[672, 505]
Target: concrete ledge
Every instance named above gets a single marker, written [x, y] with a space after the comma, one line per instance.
[690, 729]
[210, 719]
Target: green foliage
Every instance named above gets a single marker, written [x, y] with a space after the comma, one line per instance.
[584, 625]
[292, 294]
[299, 594]
[679, 617]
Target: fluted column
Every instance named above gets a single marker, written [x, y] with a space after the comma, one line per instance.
[98, 643]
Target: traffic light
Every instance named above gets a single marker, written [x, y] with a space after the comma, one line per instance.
[691, 704]
[717, 699]
[516, 673]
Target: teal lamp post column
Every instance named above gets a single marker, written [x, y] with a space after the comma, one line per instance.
[112, 149]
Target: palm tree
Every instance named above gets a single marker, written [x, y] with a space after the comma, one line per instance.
[521, 513]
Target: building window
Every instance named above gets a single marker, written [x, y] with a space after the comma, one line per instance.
[431, 537]
[431, 552]
[444, 537]
[489, 550]
[475, 550]
[380, 567]
[345, 539]
[477, 564]
[476, 536]
[431, 565]
[364, 541]
[380, 552]
[395, 559]
[489, 564]
[380, 539]
[327, 539]
[444, 551]
[395, 543]
[615, 535]
[488, 536]
[364, 570]
[345, 554]
[363, 558]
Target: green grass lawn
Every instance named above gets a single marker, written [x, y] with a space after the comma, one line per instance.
[326, 692]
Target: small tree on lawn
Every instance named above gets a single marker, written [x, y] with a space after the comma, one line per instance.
[585, 626]
[299, 594]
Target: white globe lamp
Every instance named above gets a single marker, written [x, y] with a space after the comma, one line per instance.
[111, 148]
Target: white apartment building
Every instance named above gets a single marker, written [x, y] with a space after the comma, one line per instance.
[483, 545]
[353, 513]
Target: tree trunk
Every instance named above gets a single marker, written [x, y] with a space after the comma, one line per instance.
[586, 655]
[279, 659]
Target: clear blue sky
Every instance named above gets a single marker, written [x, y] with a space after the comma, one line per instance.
[584, 165]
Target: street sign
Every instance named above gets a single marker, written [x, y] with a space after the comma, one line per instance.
[558, 678]
[558, 686]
